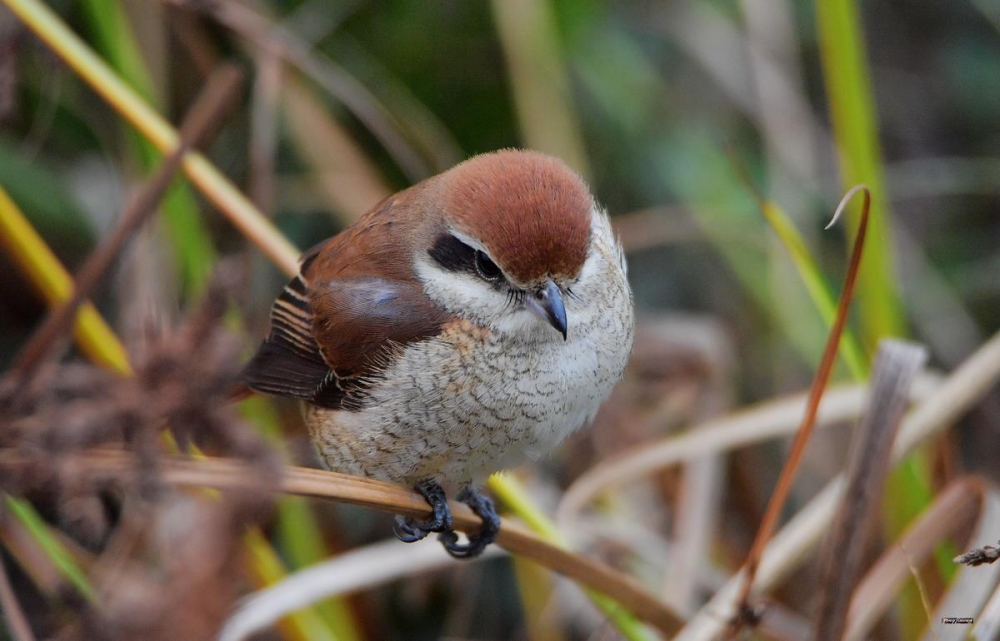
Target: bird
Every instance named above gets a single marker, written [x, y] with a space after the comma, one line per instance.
[459, 328]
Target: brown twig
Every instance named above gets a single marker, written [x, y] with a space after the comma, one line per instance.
[26, 551]
[17, 623]
[784, 484]
[979, 556]
[267, 88]
[254, 26]
[955, 512]
[209, 106]
[116, 466]
[896, 366]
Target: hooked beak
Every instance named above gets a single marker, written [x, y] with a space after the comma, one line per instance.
[547, 304]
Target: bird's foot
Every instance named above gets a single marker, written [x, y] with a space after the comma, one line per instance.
[408, 530]
[483, 506]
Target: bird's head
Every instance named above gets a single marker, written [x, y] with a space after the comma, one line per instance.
[510, 241]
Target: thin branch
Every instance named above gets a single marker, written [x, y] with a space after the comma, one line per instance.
[17, 623]
[743, 428]
[276, 38]
[979, 556]
[209, 106]
[51, 29]
[116, 466]
[784, 485]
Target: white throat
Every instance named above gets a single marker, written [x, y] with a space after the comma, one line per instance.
[468, 296]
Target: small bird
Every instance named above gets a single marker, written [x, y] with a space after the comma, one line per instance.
[459, 328]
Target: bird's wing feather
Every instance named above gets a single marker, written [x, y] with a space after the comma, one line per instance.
[330, 339]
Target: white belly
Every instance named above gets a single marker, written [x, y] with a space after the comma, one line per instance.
[458, 408]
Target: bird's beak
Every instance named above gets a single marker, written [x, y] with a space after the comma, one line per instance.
[547, 304]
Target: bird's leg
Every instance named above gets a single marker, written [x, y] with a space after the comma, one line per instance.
[483, 506]
[408, 531]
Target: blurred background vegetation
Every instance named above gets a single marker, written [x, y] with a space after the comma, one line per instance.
[675, 111]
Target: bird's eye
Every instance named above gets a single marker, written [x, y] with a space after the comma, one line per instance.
[487, 269]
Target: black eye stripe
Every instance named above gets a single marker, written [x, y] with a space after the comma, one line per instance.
[452, 254]
[455, 256]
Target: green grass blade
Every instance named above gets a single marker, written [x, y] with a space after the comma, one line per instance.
[817, 286]
[55, 284]
[539, 80]
[855, 129]
[192, 247]
[852, 111]
[516, 499]
[58, 554]
[305, 624]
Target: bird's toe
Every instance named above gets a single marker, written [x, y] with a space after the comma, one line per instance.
[410, 530]
[483, 506]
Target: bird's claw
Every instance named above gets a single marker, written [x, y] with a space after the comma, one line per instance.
[408, 530]
[483, 506]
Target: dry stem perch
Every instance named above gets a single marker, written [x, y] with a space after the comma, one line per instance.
[103, 466]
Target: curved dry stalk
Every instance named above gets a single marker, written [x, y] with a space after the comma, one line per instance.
[951, 513]
[353, 571]
[116, 466]
[784, 485]
[840, 564]
[793, 544]
[768, 420]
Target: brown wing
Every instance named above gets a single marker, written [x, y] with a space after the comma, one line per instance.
[330, 339]
[359, 320]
